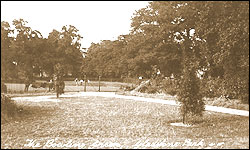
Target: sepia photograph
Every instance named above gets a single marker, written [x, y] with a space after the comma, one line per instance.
[124, 74]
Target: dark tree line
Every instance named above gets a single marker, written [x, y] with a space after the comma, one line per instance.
[28, 54]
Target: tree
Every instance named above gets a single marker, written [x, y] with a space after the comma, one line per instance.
[7, 65]
[157, 26]
[23, 52]
[167, 28]
[105, 58]
[70, 42]
[182, 38]
[225, 27]
[190, 96]
[64, 48]
[28, 53]
[219, 45]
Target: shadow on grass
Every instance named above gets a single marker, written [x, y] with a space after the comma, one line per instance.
[27, 113]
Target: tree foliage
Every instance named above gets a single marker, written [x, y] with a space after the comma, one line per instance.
[7, 66]
[181, 39]
[227, 33]
[28, 53]
[64, 48]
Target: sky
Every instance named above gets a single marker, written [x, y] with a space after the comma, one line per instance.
[95, 20]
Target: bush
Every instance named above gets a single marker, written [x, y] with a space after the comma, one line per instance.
[238, 89]
[158, 85]
[217, 87]
[213, 87]
[170, 86]
[150, 88]
[143, 89]
[127, 88]
[8, 108]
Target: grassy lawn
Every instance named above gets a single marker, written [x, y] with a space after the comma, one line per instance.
[98, 122]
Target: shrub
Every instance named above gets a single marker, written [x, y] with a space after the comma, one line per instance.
[238, 89]
[151, 89]
[216, 87]
[213, 87]
[8, 108]
[143, 89]
[127, 88]
[170, 86]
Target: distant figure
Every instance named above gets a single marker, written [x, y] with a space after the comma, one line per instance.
[81, 82]
[76, 80]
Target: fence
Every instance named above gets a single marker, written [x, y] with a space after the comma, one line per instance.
[92, 85]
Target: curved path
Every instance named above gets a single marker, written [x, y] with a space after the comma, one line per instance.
[136, 98]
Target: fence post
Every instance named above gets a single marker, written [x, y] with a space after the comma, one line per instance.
[99, 90]
[85, 82]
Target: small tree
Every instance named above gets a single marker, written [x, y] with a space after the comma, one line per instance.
[58, 77]
[189, 95]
